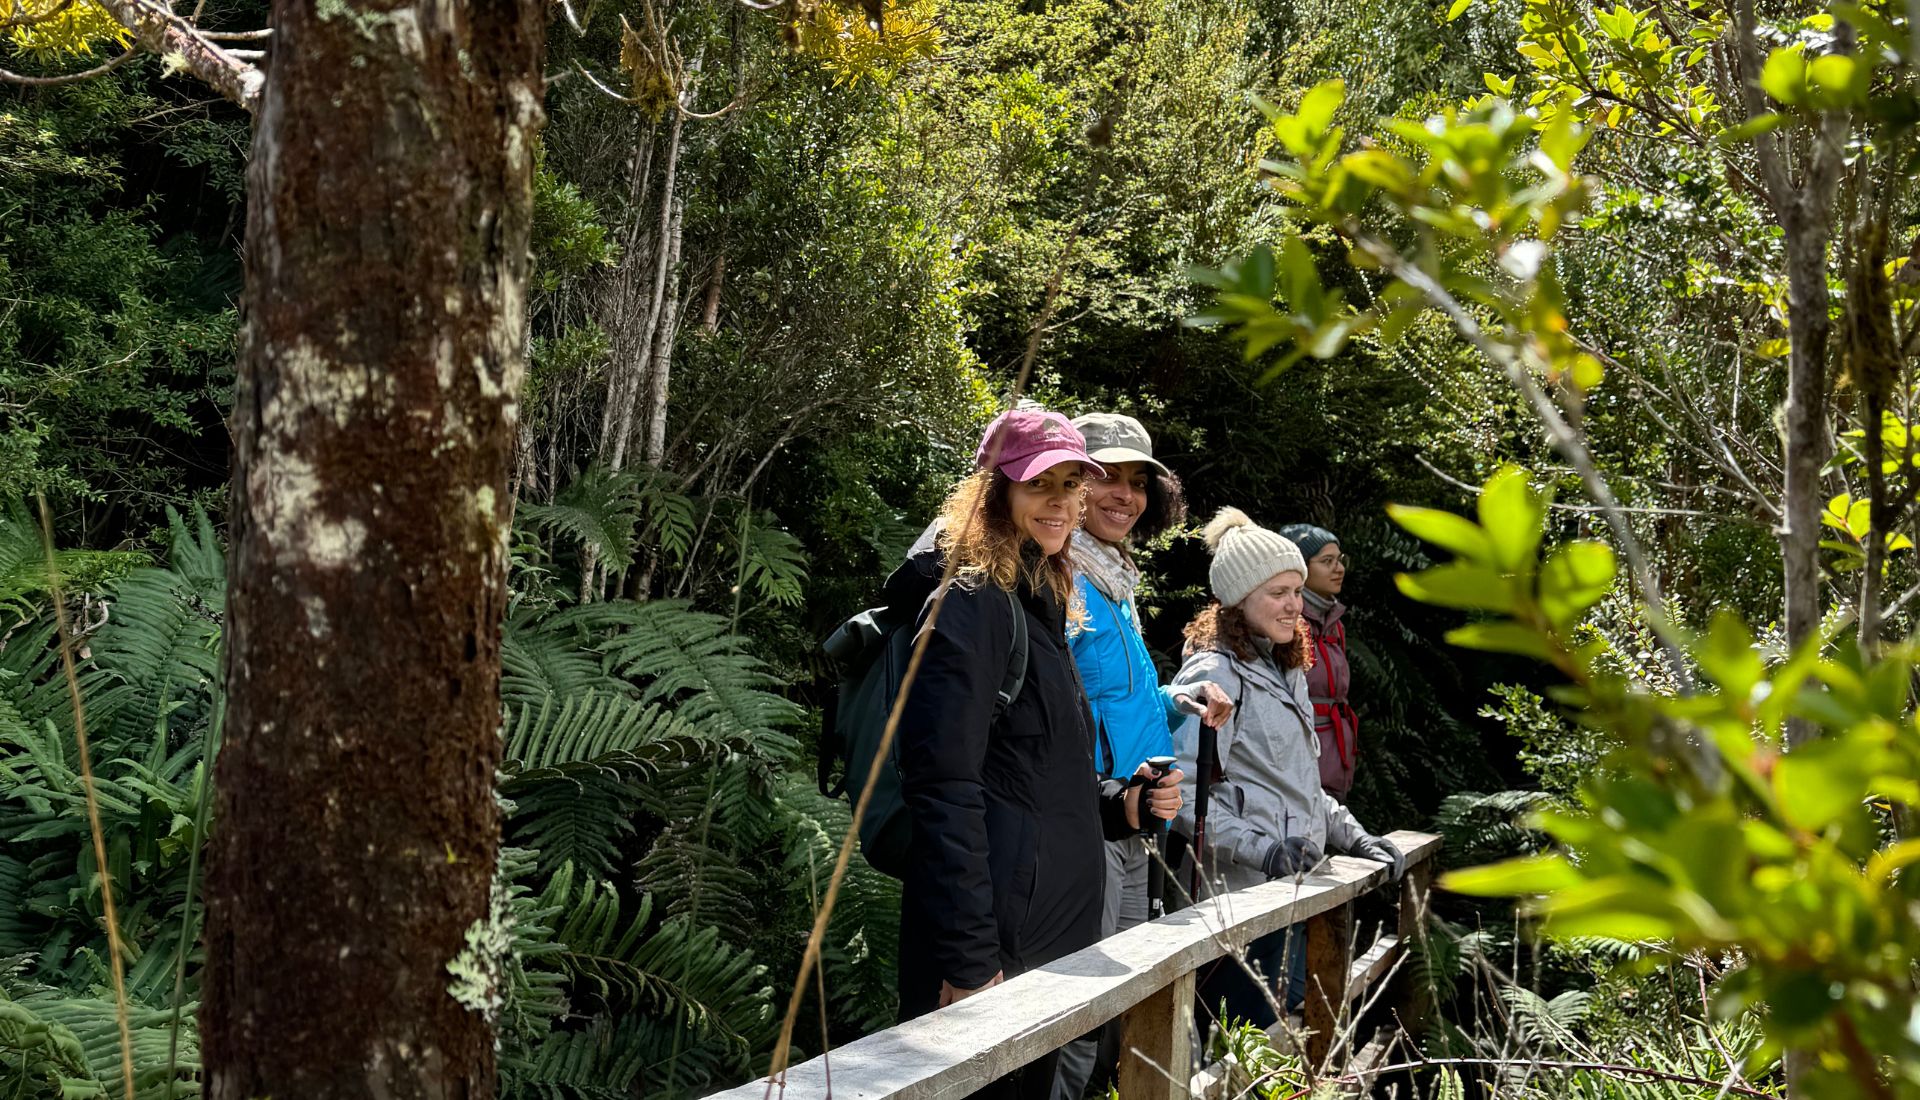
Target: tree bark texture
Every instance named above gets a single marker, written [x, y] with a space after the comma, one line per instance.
[390, 197]
[1800, 189]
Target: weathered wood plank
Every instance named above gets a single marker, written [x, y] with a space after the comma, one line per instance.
[950, 1053]
[1366, 969]
[1156, 1044]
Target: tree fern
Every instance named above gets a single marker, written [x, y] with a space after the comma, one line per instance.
[1544, 1025]
[157, 649]
[693, 660]
[772, 563]
[716, 994]
[861, 956]
[599, 513]
[574, 820]
[23, 564]
[601, 1061]
[577, 771]
[538, 664]
[74, 1041]
[1481, 828]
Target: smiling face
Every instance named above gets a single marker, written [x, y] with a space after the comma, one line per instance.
[1114, 503]
[1273, 609]
[1326, 571]
[1046, 507]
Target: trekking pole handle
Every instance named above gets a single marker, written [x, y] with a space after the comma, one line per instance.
[1160, 765]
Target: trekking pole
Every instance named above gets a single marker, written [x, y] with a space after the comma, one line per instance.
[1154, 829]
[1202, 789]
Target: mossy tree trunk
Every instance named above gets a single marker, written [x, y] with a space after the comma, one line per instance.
[390, 196]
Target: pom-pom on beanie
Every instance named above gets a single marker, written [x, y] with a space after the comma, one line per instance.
[1245, 555]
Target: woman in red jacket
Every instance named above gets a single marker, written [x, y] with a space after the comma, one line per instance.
[1329, 680]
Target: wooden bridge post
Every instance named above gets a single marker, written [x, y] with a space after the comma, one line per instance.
[1415, 998]
[1156, 1044]
[1329, 937]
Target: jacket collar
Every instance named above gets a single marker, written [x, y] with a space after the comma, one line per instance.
[1321, 611]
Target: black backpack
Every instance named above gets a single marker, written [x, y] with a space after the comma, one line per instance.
[872, 650]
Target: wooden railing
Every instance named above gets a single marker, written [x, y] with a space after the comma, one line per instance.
[1144, 976]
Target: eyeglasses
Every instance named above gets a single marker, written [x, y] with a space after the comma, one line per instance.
[1342, 560]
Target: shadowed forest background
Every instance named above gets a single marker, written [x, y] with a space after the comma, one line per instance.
[784, 271]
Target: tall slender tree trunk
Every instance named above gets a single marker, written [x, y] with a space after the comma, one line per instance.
[390, 195]
[660, 361]
[617, 428]
[1805, 446]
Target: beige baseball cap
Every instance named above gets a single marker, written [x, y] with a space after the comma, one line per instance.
[1116, 437]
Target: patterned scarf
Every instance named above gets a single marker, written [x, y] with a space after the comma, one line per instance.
[1108, 567]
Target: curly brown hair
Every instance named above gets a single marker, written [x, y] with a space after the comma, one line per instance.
[1226, 629]
[979, 533]
[1166, 507]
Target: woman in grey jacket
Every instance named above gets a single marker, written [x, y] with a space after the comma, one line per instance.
[1268, 816]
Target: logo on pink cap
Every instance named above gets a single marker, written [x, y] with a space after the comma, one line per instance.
[1022, 443]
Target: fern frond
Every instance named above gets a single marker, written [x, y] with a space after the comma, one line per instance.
[861, 956]
[598, 512]
[599, 1062]
[693, 660]
[93, 1026]
[537, 664]
[579, 819]
[158, 645]
[773, 564]
[678, 974]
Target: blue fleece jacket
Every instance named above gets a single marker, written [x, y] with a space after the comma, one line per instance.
[1133, 715]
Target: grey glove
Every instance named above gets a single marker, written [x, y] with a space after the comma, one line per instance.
[1380, 850]
[1296, 855]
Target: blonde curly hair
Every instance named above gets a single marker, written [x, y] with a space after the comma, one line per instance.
[978, 532]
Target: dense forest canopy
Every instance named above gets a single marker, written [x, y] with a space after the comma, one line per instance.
[1627, 285]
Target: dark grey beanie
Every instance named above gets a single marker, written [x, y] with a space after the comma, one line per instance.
[1310, 539]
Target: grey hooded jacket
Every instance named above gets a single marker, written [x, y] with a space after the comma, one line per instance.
[1270, 757]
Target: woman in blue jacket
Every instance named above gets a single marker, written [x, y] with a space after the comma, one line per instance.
[1133, 496]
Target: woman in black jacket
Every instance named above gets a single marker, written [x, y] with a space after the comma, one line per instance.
[1005, 869]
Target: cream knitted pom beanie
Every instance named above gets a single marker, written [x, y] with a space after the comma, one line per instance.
[1245, 555]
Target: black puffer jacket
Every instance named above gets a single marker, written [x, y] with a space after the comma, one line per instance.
[1006, 870]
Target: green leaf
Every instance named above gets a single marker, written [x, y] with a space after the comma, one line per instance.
[1784, 76]
[1574, 578]
[1513, 877]
[1836, 514]
[1819, 783]
[1860, 519]
[1317, 106]
[1304, 293]
[1501, 637]
[1255, 273]
[1460, 585]
[1513, 516]
[1458, 9]
[1562, 141]
[1832, 79]
[1727, 655]
[1457, 534]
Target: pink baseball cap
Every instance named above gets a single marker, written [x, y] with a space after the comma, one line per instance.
[1032, 440]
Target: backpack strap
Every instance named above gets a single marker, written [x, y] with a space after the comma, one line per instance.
[1016, 658]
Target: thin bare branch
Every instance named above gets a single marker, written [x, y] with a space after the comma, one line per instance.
[7, 77]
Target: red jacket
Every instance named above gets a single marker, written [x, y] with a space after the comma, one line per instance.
[1328, 683]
